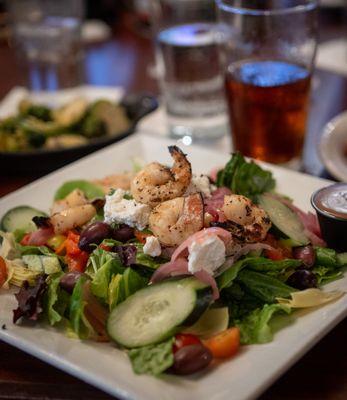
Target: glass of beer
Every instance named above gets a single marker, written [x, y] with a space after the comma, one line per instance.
[267, 52]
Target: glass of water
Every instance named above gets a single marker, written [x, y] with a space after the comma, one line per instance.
[189, 71]
[47, 38]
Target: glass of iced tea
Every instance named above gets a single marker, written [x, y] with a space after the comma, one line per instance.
[267, 52]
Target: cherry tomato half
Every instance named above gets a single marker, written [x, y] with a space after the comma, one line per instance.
[184, 339]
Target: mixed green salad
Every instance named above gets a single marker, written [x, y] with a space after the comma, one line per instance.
[37, 126]
[173, 268]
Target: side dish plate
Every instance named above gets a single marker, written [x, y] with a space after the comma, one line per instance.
[45, 160]
[243, 377]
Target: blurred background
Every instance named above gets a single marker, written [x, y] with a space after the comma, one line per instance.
[111, 43]
[117, 44]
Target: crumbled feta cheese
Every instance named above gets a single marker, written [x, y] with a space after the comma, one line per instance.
[120, 210]
[152, 246]
[207, 254]
[199, 183]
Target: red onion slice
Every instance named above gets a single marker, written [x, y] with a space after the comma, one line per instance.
[176, 267]
[40, 237]
[180, 267]
[205, 277]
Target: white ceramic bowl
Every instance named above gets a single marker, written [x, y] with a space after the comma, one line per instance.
[333, 147]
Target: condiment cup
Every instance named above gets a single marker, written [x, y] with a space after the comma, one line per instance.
[330, 204]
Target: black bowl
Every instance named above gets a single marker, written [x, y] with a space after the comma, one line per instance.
[46, 160]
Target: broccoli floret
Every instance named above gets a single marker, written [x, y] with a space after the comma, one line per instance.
[36, 139]
[41, 112]
[28, 109]
[93, 127]
[9, 125]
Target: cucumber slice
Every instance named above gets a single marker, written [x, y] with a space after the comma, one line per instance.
[284, 219]
[156, 312]
[20, 218]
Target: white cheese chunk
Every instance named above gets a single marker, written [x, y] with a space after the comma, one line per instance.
[206, 254]
[120, 210]
[199, 183]
[152, 246]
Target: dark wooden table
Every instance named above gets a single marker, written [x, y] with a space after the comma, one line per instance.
[320, 374]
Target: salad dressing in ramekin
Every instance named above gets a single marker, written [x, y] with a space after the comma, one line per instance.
[333, 200]
[330, 204]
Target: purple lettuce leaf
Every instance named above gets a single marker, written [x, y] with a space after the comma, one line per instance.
[30, 300]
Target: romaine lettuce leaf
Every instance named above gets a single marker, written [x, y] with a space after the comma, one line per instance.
[227, 278]
[153, 359]
[255, 327]
[123, 286]
[342, 259]
[225, 175]
[265, 287]
[325, 274]
[78, 321]
[246, 178]
[99, 258]
[262, 264]
[328, 265]
[102, 278]
[90, 190]
[56, 300]
[326, 257]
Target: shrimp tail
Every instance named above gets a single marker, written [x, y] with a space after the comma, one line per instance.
[175, 150]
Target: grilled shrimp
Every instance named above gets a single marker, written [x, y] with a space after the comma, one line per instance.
[72, 217]
[73, 199]
[247, 221]
[156, 183]
[173, 221]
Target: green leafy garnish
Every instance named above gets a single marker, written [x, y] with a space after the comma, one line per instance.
[325, 274]
[153, 359]
[328, 265]
[255, 327]
[265, 287]
[262, 264]
[326, 257]
[56, 300]
[102, 266]
[90, 190]
[79, 323]
[123, 286]
[227, 278]
[99, 258]
[245, 177]
[342, 259]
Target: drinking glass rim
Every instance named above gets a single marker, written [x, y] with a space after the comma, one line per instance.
[310, 5]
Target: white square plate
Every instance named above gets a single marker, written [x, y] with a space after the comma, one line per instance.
[102, 365]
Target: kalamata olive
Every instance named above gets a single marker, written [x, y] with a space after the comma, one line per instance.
[123, 233]
[306, 254]
[69, 280]
[302, 279]
[94, 233]
[190, 359]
